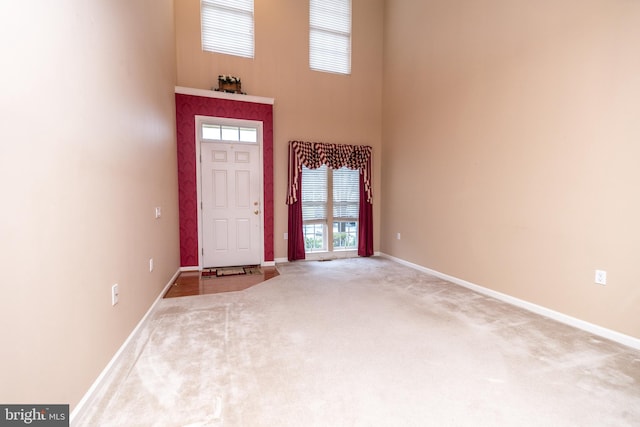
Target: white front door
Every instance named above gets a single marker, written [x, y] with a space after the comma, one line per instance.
[231, 211]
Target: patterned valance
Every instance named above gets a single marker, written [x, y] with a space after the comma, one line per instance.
[315, 154]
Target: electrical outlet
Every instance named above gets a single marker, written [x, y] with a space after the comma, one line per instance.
[150, 265]
[601, 277]
[114, 294]
[286, 236]
[398, 236]
[158, 212]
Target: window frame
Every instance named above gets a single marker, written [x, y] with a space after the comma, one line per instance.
[225, 130]
[329, 221]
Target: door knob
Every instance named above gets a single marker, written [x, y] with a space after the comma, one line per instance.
[256, 212]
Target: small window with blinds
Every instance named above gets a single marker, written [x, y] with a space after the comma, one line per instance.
[330, 36]
[227, 27]
[330, 197]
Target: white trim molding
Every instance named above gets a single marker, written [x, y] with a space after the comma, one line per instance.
[600, 331]
[223, 95]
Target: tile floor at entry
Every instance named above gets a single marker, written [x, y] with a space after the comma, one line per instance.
[191, 283]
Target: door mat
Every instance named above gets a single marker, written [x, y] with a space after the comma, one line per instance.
[252, 269]
[230, 271]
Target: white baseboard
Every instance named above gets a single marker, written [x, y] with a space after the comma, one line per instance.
[189, 268]
[268, 264]
[609, 334]
[87, 396]
[284, 260]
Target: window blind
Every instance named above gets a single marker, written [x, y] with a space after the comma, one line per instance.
[227, 27]
[314, 193]
[346, 194]
[330, 35]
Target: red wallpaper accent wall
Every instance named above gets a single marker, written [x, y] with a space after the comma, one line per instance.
[187, 107]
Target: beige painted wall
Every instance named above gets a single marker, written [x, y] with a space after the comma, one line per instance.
[309, 105]
[511, 136]
[511, 143]
[87, 150]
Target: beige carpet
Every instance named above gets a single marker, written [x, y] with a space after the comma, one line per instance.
[363, 342]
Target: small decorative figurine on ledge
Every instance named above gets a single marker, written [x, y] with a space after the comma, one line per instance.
[229, 84]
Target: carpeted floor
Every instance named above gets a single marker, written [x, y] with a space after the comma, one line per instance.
[363, 342]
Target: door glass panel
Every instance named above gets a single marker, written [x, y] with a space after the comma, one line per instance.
[230, 133]
[211, 132]
[248, 135]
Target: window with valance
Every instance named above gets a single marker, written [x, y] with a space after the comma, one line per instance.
[313, 155]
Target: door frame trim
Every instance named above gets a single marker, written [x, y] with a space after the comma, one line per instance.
[199, 120]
